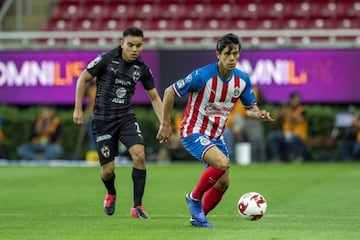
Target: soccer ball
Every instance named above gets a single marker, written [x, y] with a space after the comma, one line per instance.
[252, 206]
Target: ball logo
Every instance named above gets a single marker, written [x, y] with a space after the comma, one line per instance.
[258, 199]
[242, 207]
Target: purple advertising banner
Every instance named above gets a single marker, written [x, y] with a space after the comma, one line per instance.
[321, 76]
[49, 77]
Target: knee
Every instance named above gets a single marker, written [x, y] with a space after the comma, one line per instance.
[224, 164]
[107, 171]
[138, 158]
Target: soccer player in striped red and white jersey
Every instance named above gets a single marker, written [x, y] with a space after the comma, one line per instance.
[213, 91]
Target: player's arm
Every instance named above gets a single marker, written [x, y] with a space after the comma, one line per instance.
[254, 111]
[165, 131]
[78, 116]
[155, 102]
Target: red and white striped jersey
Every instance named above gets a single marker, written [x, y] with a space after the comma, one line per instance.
[211, 99]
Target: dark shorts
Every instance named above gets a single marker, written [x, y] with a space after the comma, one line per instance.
[109, 133]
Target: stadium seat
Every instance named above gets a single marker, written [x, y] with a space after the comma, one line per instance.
[95, 10]
[58, 25]
[116, 15]
[88, 25]
[173, 10]
[147, 10]
[297, 23]
[322, 23]
[122, 10]
[275, 10]
[200, 10]
[250, 11]
[67, 9]
[191, 24]
[111, 24]
[300, 9]
[353, 9]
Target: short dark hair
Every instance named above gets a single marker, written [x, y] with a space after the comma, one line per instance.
[133, 31]
[228, 40]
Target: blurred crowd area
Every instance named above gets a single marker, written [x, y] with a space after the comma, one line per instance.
[331, 134]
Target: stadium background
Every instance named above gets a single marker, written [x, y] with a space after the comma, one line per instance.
[315, 42]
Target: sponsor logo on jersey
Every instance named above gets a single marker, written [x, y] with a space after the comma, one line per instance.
[189, 78]
[180, 83]
[94, 62]
[114, 70]
[120, 95]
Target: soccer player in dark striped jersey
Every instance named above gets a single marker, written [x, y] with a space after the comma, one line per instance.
[213, 91]
[117, 72]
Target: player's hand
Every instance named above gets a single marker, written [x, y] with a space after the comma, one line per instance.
[265, 116]
[164, 133]
[78, 116]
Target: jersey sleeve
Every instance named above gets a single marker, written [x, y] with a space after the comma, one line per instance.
[247, 97]
[97, 65]
[191, 83]
[147, 79]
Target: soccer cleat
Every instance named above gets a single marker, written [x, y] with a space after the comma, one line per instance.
[109, 204]
[139, 212]
[196, 210]
[196, 223]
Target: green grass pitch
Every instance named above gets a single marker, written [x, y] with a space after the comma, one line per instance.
[309, 201]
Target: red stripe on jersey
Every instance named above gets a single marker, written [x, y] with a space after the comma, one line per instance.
[222, 130]
[224, 92]
[236, 85]
[213, 89]
[186, 115]
[195, 113]
[215, 126]
[211, 100]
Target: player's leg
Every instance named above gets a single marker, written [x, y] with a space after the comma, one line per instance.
[108, 178]
[137, 153]
[131, 137]
[106, 146]
[214, 195]
[217, 163]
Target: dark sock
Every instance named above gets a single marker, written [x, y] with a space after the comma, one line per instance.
[138, 177]
[110, 185]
